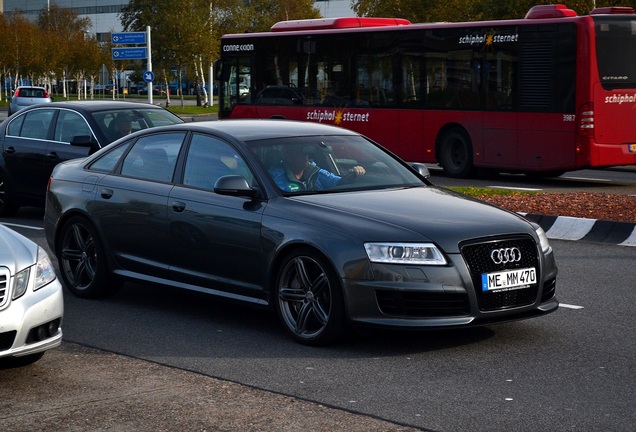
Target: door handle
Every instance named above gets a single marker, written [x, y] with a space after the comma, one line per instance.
[107, 193]
[178, 206]
[52, 155]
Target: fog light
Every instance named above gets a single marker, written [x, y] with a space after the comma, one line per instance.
[53, 327]
[41, 333]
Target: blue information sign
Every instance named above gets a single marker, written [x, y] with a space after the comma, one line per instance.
[129, 53]
[149, 76]
[128, 38]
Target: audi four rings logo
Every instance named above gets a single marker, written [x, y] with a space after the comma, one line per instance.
[506, 255]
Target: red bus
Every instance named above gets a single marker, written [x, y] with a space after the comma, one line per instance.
[542, 95]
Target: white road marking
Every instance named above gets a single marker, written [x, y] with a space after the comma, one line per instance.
[23, 226]
[586, 178]
[569, 306]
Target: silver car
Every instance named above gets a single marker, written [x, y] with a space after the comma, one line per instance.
[25, 96]
[31, 303]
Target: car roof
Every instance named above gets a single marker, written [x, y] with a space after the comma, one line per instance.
[97, 105]
[257, 129]
[30, 87]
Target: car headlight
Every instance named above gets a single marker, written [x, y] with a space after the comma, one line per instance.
[405, 253]
[44, 273]
[21, 283]
[543, 239]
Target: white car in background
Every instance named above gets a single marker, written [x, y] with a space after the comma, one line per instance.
[31, 302]
[25, 96]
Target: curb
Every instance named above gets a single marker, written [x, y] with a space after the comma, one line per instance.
[592, 230]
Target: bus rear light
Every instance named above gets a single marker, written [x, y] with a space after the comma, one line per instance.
[586, 122]
[613, 10]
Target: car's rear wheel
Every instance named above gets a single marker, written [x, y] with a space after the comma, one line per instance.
[309, 299]
[82, 260]
[7, 205]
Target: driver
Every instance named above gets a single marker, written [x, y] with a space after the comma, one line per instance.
[295, 172]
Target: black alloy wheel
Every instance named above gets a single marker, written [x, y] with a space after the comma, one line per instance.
[82, 260]
[309, 299]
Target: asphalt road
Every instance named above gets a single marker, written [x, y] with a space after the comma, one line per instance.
[571, 370]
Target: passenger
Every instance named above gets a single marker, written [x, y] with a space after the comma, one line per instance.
[295, 172]
[123, 126]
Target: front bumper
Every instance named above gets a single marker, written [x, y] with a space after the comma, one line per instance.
[32, 323]
[443, 297]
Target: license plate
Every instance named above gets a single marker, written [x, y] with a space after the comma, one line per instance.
[632, 148]
[508, 280]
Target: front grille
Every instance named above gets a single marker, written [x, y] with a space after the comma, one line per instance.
[478, 260]
[4, 288]
[422, 304]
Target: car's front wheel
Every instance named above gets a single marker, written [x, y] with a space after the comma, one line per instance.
[309, 299]
[82, 260]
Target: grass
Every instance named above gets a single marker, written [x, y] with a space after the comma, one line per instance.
[175, 104]
[481, 192]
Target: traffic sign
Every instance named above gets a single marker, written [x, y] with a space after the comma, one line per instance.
[128, 38]
[149, 76]
[129, 53]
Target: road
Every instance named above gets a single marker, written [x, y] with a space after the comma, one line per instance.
[571, 370]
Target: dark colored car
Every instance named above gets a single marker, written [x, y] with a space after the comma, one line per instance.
[37, 138]
[363, 239]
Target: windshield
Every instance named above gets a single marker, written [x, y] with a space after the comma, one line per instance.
[331, 163]
[615, 43]
[116, 123]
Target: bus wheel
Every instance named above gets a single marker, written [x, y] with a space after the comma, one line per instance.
[456, 154]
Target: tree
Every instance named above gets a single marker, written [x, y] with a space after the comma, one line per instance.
[64, 34]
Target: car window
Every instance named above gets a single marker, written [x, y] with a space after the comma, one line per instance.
[331, 163]
[110, 121]
[210, 158]
[154, 157]
[34, 124]
[69, 125]
[108, 161]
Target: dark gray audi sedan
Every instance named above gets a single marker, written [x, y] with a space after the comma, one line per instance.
[319, 223]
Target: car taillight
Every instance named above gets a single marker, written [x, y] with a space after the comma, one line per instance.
[46, 94]
[586, 120]
[17, 93]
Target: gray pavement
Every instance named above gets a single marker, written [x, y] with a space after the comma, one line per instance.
[76, 388]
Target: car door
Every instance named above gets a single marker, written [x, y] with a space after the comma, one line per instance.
[24, 152]
[68, 125]
[131, 205]
[216, 239]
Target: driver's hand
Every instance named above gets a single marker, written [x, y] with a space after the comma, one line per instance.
[357, 170]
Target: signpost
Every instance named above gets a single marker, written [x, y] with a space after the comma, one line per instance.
[129, 53]
[135, 53]
[128, 38]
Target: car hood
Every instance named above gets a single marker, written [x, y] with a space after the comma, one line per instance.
[413, 214]
[16, 251]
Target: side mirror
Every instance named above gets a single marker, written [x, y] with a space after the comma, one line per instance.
[421, 169]
[85, 141]
[234, 185]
